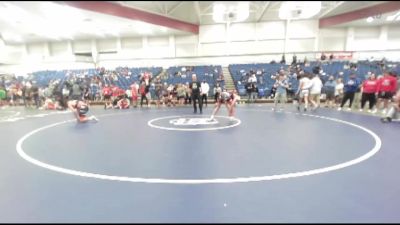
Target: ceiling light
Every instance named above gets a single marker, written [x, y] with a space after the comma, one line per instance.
[299, 10]
[370, 19]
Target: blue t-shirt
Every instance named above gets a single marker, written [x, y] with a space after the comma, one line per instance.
[351, 85]
[330, 86]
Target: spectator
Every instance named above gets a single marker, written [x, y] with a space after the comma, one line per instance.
[205, 88]
[294, 61]
[387, 86]
[252, 79]
[181, 94]
[304, 91]
[249, 88]
[283, 60]
[315, 91]
[339, 91]
[369, 90]
[76, 91]
[350, 88]
[281, 85]
[357, 98]
[329, 87]
[35, 94]
[188, 97]
[26, 94]
[143, 90]
[158, 92]
[107, 93]
[323, 57]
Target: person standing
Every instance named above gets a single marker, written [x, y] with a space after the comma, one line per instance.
[387, 87]
[35, 94]
[369, 90]
[204, 91]
[281, 85]
[143, 94]
[315, 91]
[195, 89]
[329, 86]
[339, 91]
[350, 88]
[134, 93]
[304, 90]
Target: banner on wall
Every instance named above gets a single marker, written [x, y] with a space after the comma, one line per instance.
[336, 55]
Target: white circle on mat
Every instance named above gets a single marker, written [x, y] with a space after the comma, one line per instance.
[357, 160]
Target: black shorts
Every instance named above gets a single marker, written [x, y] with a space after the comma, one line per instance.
[385, 95]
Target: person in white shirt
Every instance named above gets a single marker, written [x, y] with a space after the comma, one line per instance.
[252, 79]
[315, 91]
[339, 91]
[205, 88]
[304, 90]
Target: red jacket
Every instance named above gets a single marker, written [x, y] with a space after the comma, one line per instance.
[370, 86]
[107, 91]
[387, 84]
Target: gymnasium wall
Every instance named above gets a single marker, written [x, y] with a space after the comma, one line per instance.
[216, 44]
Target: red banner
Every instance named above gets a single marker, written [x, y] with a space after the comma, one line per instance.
[336, 55]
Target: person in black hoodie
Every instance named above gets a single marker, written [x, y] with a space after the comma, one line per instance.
[195, 89]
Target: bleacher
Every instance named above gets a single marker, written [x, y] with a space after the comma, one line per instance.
[123, 81]
[265, 84]
[264, 80]
[126, 76]
[208, 73]
[182, 74]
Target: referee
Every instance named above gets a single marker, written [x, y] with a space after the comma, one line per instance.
[195, 88]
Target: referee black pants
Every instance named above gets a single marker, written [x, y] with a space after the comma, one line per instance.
[195, 98]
